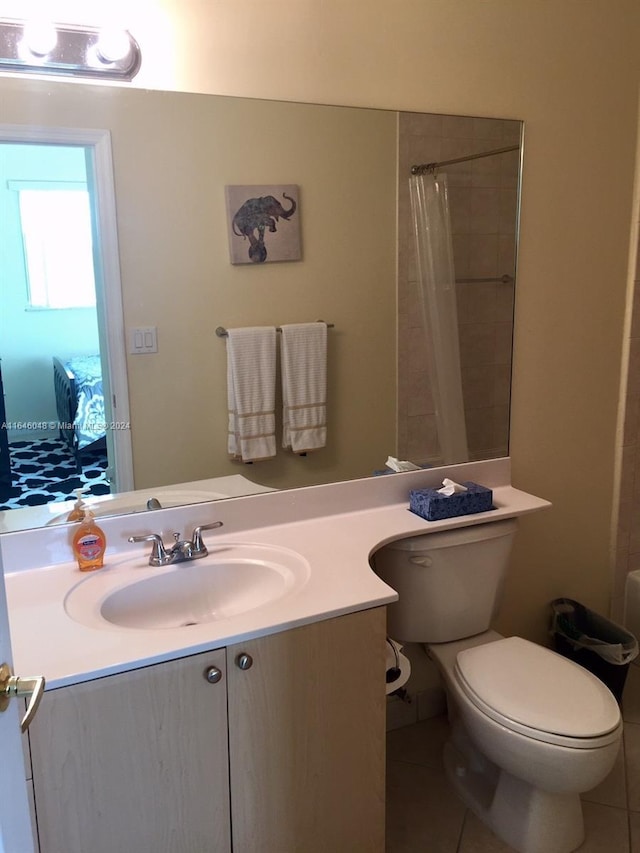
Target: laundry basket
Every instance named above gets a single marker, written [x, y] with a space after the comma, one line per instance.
[601, 646]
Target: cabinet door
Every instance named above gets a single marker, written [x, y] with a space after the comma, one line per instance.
[135, 762]
[306, 738]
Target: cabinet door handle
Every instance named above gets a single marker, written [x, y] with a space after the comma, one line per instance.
[213, 674]
[11, 685]
[244, 661]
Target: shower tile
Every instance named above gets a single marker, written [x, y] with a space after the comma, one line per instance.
[477, 343]
[423, 149]
[422, 438]
[503, 343]
[460, 210]
[453, 147]
[487, 128]
[483, 255]
[477, 386]
[505, 297]
[486, 172]
[460, 126]
[500, 418]
[484, 211]
[420, 399]
[509, 169]
[417, 352]
[476, 302]
[506, 254]
[421, 124]
[508, 209]
[479, 430]
[511, 131]
[501, 384]
[461, 255]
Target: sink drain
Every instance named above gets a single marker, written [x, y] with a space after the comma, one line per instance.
[187, 624]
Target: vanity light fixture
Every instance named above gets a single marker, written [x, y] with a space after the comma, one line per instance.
[41, 47]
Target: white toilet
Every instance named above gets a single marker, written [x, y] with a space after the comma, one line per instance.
[531, 730]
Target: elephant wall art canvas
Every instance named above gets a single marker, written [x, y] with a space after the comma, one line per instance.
[264, 223]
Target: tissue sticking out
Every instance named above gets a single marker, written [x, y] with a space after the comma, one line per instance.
[397, 465]
[451, 488]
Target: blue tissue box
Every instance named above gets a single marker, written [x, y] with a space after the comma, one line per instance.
[427, 503]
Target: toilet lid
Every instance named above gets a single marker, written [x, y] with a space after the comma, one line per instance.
[519, 681]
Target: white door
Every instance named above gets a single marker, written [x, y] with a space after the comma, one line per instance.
[15, 823]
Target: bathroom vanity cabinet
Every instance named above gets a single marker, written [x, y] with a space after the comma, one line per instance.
[275, 745]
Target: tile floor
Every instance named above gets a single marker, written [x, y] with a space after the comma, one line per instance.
[424, 815]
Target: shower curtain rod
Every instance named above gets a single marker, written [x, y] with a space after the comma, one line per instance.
[424, 168]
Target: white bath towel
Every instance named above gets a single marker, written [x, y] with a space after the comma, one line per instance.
[304, 386]
[251, 392]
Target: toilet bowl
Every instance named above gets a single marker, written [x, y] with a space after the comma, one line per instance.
[530, 730]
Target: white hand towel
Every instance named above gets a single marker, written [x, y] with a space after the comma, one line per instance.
[251, 392]
[304, 386]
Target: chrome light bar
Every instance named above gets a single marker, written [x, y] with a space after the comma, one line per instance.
[41, 47]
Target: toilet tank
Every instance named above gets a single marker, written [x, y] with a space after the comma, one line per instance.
[449, 583]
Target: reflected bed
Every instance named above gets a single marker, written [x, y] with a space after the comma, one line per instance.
[80, 404]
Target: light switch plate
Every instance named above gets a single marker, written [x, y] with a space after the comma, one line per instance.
[143, 339]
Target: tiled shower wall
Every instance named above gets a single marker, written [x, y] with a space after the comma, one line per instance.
[483, 203]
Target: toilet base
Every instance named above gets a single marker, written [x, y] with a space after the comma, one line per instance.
[527, 818]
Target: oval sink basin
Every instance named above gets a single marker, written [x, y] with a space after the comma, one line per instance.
[231, 580]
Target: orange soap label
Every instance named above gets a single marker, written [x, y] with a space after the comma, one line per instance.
[90, 546]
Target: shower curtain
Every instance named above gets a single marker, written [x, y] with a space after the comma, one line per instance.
[437, 297]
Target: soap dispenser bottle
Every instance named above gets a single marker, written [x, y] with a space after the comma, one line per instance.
[79, 510]
[89, 544]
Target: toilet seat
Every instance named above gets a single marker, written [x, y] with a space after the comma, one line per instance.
[537, 693]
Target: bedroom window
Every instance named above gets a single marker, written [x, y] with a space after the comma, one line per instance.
[58, 248]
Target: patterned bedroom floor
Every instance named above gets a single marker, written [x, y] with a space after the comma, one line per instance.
[45, 471]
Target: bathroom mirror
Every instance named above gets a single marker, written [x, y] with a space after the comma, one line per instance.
[173, 156]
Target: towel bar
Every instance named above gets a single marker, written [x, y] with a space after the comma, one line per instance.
[221, 332]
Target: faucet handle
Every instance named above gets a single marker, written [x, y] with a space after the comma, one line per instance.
[198, 545]
[159, 556]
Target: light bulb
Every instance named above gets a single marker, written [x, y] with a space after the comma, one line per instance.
[113, 45]
[40, 37]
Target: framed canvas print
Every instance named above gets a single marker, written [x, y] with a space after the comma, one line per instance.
[263, 223]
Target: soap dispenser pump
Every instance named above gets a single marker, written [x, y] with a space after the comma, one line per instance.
[79, 511]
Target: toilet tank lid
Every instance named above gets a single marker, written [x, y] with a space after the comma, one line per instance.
[455, 536]
[538, 688]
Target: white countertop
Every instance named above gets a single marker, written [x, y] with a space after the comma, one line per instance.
[337, 546]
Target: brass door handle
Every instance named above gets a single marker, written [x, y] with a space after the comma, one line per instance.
[12, 685]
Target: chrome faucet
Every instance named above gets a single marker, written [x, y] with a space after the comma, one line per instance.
[181, 551]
